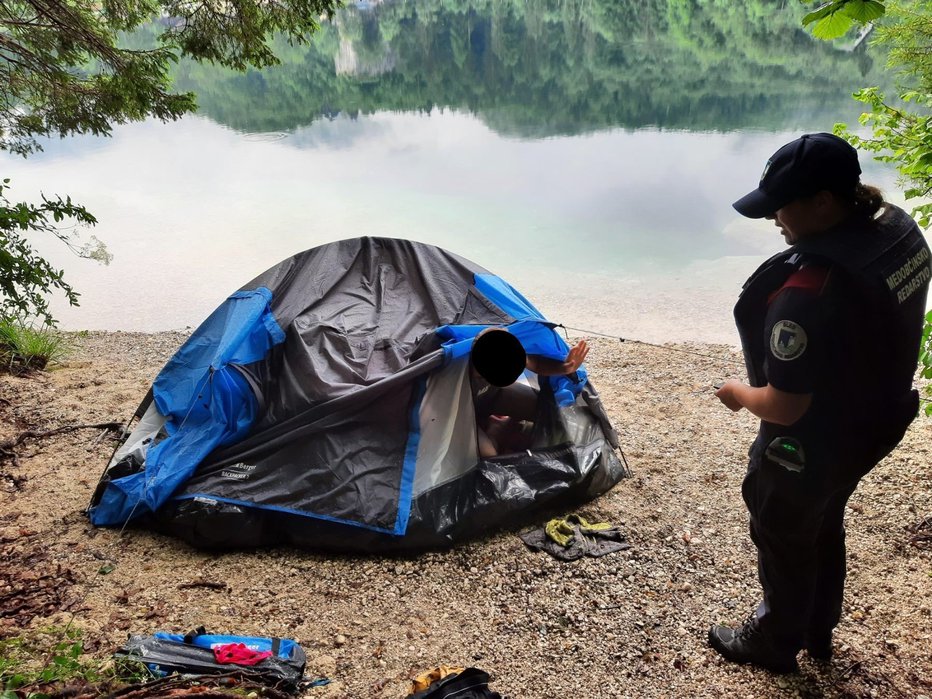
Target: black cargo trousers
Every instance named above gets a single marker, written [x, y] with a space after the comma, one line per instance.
[797, 525]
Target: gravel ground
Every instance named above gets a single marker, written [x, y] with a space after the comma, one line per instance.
[631, 624]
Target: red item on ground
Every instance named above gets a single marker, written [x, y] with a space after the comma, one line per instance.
[239, 654]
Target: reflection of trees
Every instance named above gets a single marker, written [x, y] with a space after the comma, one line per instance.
[362, 50]
[549, 67]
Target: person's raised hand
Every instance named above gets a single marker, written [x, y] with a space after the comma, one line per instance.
[577, 355]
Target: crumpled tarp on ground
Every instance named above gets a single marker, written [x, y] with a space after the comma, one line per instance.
[165, 653]
[572, 537]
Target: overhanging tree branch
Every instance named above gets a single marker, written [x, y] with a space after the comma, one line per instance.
[63, 72]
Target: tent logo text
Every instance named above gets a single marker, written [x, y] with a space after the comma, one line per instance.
[238, 472]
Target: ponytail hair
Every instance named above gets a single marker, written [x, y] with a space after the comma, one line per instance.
[866, 200]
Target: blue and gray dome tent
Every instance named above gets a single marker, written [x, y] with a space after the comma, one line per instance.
[327, 404]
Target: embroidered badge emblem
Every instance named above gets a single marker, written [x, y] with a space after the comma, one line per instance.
[788, 340]
[766, 170]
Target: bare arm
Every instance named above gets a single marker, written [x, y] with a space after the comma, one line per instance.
[544, 366]
[768, 403]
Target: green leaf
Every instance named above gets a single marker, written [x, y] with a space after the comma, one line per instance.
[863, 11]
[15, 681]
[823, 11]
[832, 27]
[107, 568]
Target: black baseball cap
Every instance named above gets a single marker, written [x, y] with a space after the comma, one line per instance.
[810, 164]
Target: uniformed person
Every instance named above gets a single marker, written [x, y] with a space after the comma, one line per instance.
[830, 330]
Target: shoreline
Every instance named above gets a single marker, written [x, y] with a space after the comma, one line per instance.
[630, 624]
[693, 304]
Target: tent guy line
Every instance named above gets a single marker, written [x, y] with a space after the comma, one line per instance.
[723, 360]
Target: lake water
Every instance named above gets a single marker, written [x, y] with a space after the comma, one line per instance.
[586, 152]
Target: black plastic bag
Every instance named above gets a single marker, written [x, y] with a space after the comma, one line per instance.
[471, 683]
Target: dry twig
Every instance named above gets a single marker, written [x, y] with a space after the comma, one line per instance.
[922, 532]
[204, 583]
[8, 445]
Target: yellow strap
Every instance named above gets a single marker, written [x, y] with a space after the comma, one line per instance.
[562, 531]
[426, 679]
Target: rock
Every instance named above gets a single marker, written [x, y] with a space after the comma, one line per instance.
[340, 640]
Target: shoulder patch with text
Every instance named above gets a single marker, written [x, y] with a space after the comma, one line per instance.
[787, 340]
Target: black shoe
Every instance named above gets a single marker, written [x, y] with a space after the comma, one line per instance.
[749, 644]
[819, 646]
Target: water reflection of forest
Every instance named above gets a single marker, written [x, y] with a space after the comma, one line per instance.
[550, 67]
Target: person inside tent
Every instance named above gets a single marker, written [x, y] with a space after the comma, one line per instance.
[505, 408]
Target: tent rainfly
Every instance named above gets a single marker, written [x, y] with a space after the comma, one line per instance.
[327, 404]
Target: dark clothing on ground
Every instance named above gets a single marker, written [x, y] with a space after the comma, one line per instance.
[839, 316]
[572, 537]
[471, 683]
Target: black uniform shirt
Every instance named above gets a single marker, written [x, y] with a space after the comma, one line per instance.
[795, 330]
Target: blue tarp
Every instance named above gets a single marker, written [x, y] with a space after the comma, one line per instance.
[206, 401]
